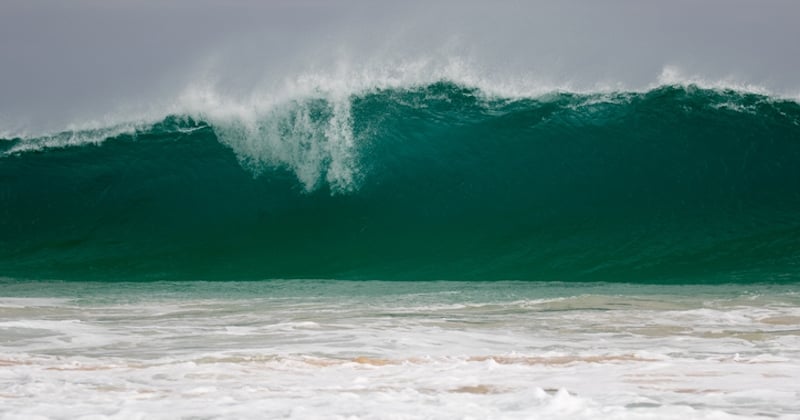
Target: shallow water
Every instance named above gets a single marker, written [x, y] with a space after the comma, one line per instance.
[340, 349]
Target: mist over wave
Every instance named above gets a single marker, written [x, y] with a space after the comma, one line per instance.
[82, 66]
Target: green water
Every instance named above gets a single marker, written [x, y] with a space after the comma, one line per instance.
[441, 182]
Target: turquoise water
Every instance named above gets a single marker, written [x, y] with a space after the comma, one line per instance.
[674, 185]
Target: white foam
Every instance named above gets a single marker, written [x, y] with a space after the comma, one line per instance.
[674, 76]
[408, 350]
[73, 137]
[310, 135]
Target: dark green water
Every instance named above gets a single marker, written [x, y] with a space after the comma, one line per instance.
[675, 185]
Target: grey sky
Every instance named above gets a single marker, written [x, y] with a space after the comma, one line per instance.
[67, 61]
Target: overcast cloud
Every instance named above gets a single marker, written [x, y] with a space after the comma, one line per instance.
[67, 61]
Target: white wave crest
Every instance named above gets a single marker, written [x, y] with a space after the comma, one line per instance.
[312, 136]
[302, 122]
[73, 137]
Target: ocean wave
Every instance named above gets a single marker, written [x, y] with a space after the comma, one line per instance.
[441, 181]
[313, 135]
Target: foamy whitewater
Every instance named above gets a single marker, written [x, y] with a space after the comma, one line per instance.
[336, 349]
[520, 209]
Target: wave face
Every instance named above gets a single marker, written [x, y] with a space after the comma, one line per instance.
[676, 184]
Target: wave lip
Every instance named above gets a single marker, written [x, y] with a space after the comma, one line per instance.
[312, 132]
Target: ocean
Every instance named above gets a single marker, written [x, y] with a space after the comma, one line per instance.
[398, 349]
[677, 184]
[430, 250]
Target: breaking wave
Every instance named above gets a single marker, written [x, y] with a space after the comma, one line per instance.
[679, 183]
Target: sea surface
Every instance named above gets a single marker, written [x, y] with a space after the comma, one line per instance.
[429, 250]
[677, 184]
[399, 350]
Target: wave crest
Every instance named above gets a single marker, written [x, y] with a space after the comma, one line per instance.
[321, 138]
[313, 138]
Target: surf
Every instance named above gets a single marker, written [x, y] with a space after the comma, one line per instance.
[445, 180]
